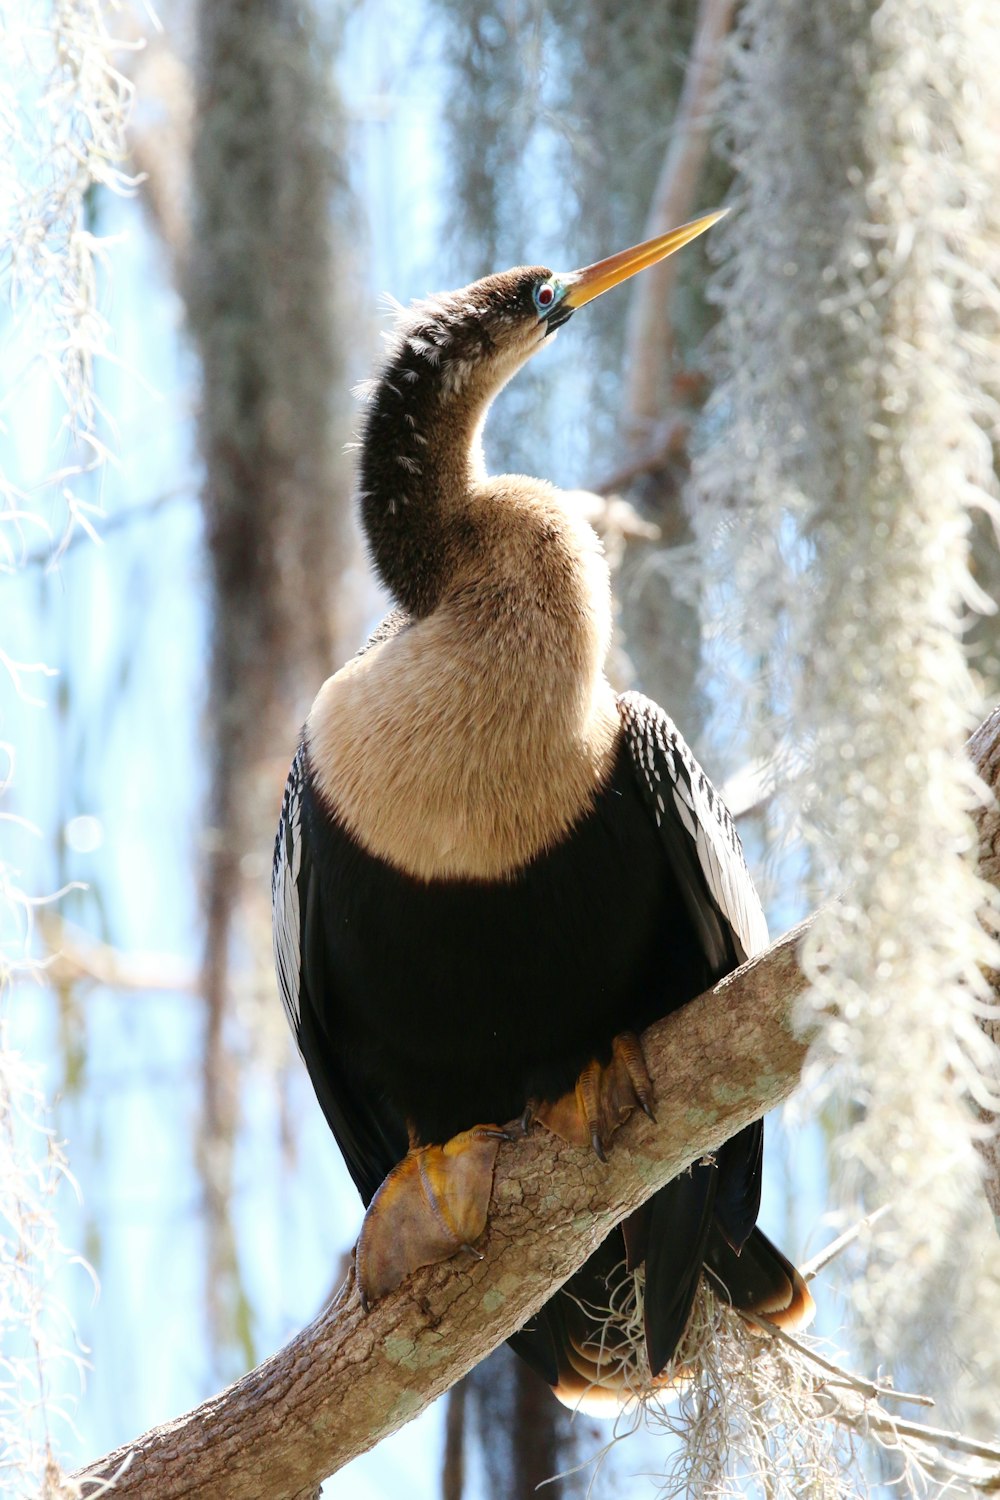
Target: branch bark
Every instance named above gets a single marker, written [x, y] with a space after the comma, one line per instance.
[348, 1380]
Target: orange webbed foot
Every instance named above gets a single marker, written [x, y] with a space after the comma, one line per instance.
[433, 1204]
[604, 1097]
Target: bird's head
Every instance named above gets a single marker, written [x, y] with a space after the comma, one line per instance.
[476, 338]
[448, 357]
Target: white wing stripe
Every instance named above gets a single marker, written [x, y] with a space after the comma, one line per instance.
[286, 924]
[657, 746]
[687, 817]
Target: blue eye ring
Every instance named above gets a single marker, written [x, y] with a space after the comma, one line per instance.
[547, 295]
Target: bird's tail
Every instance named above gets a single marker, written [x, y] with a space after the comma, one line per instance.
[595, 1322]
[759, 1280]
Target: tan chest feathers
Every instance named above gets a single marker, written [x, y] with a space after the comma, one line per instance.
[445, 768]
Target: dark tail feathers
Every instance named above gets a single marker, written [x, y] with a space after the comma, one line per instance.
[588, 1361]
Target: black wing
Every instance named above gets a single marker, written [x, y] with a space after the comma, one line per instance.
[706, 1216]
[698, 833]
[701, 1212]
[371, 1135]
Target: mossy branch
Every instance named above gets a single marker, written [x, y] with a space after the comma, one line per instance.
[348, 1380]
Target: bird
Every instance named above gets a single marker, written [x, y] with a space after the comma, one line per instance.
[492, 871]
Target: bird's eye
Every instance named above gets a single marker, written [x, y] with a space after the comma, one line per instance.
[545, 296]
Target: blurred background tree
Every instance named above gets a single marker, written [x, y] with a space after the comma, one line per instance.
[291, 162]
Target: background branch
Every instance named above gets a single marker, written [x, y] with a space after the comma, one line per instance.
[650, 329]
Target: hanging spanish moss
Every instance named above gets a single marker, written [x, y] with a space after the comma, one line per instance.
[65, 106]
[847, 445]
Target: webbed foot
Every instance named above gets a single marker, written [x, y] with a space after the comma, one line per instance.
[604, 1097]
[433, 1204]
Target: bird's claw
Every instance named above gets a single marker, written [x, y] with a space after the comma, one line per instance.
[604, 1097]
[431, 1206]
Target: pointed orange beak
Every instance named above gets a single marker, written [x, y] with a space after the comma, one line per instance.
[589, 283]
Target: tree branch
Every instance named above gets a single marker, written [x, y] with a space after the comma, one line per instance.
[348, 1380]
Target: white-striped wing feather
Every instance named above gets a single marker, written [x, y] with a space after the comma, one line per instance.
[677, 787]
[286, 916]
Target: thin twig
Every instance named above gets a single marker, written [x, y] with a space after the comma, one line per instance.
[867, 1388]
[830, 1252]
[120, 520]
[865, 1419]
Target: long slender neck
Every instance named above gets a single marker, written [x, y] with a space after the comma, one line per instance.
[514, 571]
[421, 455]
[466, 744]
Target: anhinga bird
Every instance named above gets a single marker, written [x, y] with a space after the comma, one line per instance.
[491, 872]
